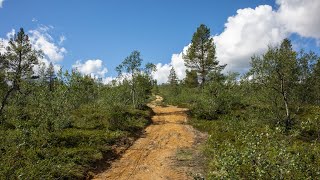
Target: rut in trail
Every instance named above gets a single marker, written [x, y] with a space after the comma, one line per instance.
[153, 155]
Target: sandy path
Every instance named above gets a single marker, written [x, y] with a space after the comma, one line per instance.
[153, 155]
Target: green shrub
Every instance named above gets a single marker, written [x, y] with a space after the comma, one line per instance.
[242, 146]
[245, 141]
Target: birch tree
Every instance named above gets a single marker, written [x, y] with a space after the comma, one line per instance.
[276, 72]
[132, 66]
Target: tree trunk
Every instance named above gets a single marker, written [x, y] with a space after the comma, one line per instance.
[15, 85]
[203, 65]
[203, 79]
[5, 100]
[286, 104]
[288, 118]
[51, 84]
[133, 91]
[133, 99]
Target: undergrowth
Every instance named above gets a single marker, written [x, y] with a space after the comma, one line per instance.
[69, 153]
[244, 143]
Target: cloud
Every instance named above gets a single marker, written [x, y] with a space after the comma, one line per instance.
[247, 33]
[11, 34]
[94, 68]
[1, 2]
[42, 40]
[108, 80]
[250, 31]
[54, 53]
[300, 16]
[163, 70]
[5, 42]
[162, 73]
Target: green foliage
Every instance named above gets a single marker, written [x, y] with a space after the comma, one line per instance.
[64, 154]
[242, 142]
[58, 126]
[285, 81]
[216, 97]
[131, 64]
[53, 137]
[263, 125]
[144, 90]
[173, 82]
[191, 79]
[240, 145]
[314, 82]
[140, 83]
[127, 119]
[91, 116]
[172, 78]
[201, 55]
[149, 68]
[16, 64]
[184, 97]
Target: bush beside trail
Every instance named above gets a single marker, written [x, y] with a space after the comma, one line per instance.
[63, 125]
[262, 125]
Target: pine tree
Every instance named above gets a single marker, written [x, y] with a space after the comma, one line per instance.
[19, 58]
[173, 79]
[201, 55]
[191, 79]
[3, 84]
[50, 75]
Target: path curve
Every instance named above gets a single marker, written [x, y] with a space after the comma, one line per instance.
[153, 155]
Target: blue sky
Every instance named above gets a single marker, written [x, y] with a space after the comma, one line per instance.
[109, 30]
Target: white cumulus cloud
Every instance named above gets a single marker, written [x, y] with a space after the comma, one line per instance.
[251, 30]
[161, 75]
[108, 80]
[163, 70]
[42, 40]
[300, 16]
[94, 68]
[4, 42]
[54, 53]
[11, 34]
[247, 33]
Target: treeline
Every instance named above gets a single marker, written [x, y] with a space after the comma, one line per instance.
[60, 125]
[264, 124]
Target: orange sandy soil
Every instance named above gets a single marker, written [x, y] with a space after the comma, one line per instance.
[153, 156]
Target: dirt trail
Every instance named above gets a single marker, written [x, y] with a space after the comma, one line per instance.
[153, 156]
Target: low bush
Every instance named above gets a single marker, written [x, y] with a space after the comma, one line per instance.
[245, 141]
[69, 153]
